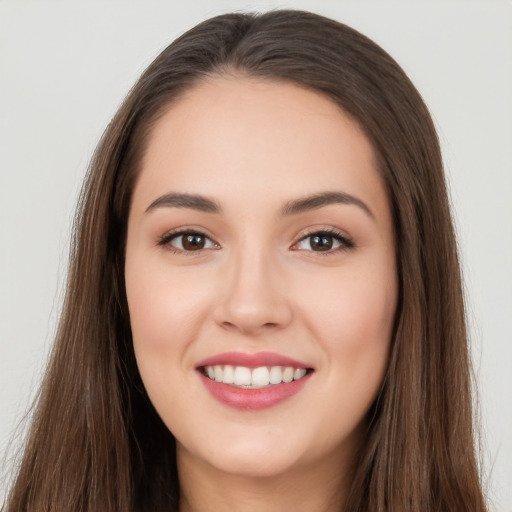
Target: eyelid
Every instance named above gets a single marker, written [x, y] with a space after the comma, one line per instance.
[166, 239]
[346, 242]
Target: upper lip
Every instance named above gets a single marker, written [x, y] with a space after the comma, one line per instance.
[254, 360]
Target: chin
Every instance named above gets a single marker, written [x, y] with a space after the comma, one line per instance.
[254, 465]
[248, 456]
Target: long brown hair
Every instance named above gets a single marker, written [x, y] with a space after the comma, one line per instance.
[97, 443]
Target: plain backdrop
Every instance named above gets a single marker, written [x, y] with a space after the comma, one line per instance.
[64, 69]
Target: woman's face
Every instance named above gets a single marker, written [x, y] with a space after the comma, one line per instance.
[261, 277]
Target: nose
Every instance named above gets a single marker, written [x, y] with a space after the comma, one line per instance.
[253, 296]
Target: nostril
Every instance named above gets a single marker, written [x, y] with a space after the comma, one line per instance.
[248, 327]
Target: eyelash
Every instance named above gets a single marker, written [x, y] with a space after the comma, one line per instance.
[345, 242]
[165, 241]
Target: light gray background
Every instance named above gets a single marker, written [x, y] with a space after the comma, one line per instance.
[64, 68]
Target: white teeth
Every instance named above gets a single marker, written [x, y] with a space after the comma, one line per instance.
[229, 374]
[299, 373]
[254, 378]
[276, 375]
[260, 377]
[242, 376]
[288, 374]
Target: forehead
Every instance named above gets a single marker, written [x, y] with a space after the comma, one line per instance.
[240, 138]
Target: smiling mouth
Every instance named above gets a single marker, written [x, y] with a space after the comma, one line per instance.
[242, 377]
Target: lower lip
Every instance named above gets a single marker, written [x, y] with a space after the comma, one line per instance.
[253, 399]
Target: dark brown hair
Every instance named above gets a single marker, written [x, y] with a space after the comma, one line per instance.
[96, 442]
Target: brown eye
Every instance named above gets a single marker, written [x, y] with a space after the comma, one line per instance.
[188, 241]
[193, 242]
[324, 241]
[321, 242]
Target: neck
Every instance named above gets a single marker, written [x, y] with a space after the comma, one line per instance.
[320, 488]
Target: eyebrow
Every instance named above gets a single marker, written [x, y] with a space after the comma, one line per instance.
[192, 201]
[322, 199]
[294, 207]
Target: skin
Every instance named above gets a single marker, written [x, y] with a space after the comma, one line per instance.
[259, 285]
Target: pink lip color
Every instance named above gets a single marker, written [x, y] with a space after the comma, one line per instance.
[252, 399]
[251, 360]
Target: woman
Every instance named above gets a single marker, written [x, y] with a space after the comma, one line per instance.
[264, 307]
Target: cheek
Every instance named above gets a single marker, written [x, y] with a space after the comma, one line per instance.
[162, 304]
[165, 308]
[353, 323]
[353, 303]
[352, 317]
